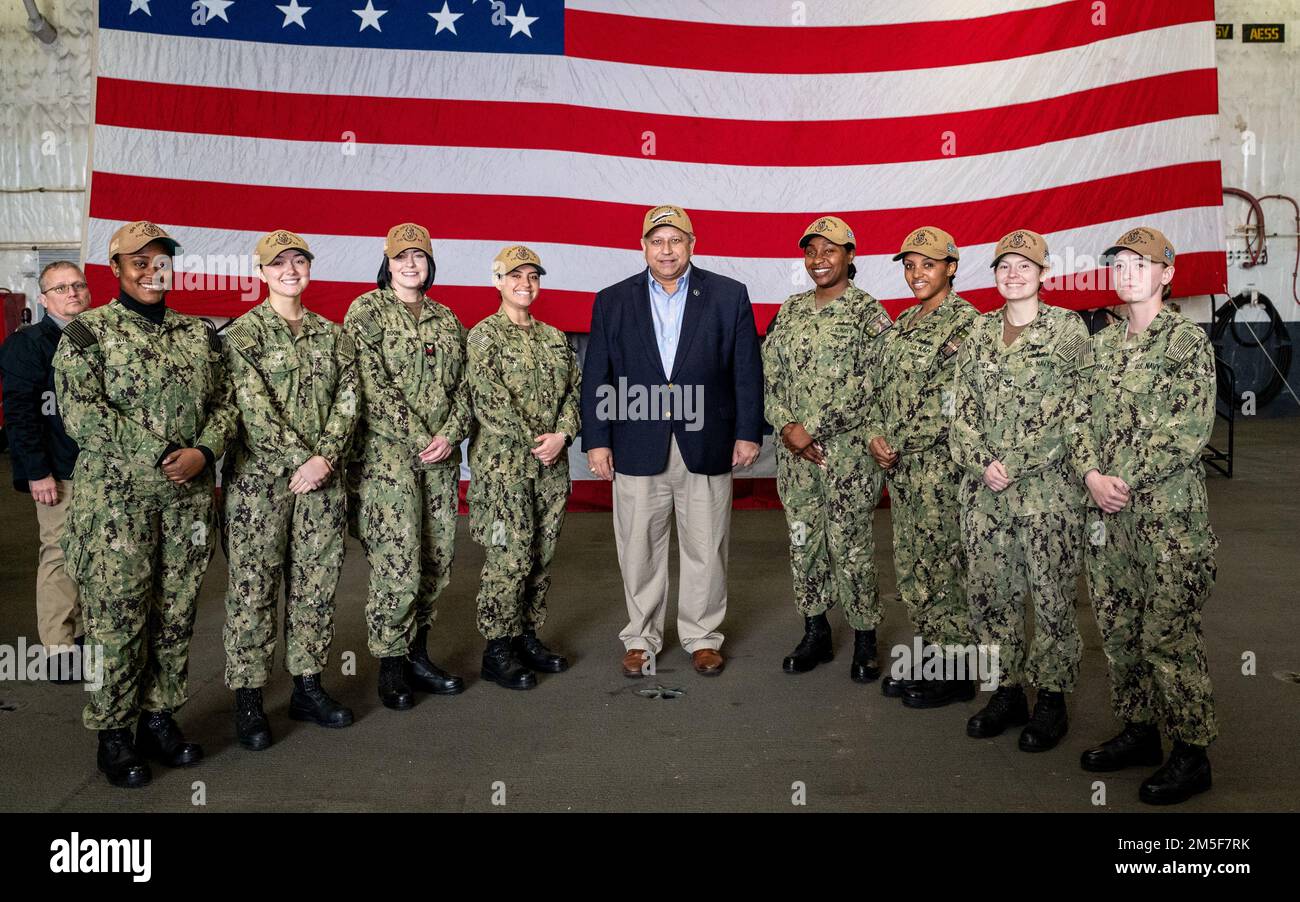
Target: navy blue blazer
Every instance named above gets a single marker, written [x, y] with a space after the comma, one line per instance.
[37, 440]
[717, 351]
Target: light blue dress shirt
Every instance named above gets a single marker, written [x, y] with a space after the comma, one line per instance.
[667, 311]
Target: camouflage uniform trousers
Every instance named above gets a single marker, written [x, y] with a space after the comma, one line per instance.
[1014, 559]
[273, 536]
[139, 563]
[1150, 575]
[518, 524]
[929, 560]
[407, 521]
[832, 548]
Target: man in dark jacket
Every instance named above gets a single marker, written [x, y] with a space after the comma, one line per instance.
[44, 455]
[672, 401]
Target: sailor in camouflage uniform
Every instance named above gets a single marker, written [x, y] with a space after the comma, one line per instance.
[1147, 408]
[415, 412]
[144, 392]
[295, 380]
[819, 358]
[910, 413]
[526, 386]
[1022, 507]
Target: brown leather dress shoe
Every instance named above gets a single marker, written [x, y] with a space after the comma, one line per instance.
[633, 661]
[707, 662]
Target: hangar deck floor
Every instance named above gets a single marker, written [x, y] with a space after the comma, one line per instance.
[586, 741]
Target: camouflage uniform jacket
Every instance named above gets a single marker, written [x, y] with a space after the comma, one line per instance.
[412, 375]
[128, 388]
[819, 365]
[1017, 404]
[913, 403]
[524, 382]
[297, 396]
[1147, 409]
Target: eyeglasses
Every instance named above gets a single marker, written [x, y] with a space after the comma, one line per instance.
[65, 288]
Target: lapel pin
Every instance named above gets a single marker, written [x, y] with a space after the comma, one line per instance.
[696, 292]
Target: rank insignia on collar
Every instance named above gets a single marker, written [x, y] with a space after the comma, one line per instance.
[430, 349]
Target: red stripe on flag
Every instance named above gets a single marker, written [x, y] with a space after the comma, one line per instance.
[596, 495]
[569, 311]
[865, 48]
[1197, 274]
[601, 224]
[546, 126]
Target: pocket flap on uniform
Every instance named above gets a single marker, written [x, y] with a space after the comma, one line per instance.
[279, 362]
[1140, 379]
[119, 355]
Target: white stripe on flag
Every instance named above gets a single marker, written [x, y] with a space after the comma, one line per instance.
[650, 89]
[696, 186]
[821, 14]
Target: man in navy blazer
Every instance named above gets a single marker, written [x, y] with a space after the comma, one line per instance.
[672, 402]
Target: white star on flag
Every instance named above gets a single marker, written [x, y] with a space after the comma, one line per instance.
[140, 4]
[446, 19]
[215, 9]
[520, 22]
[370, 16]
[293, 13]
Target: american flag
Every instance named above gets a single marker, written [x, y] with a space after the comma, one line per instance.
[557, 124]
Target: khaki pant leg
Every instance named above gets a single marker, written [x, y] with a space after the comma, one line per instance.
[703, 507]
[642, 508]
[58, 611]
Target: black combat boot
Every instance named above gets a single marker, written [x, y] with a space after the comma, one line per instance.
[311, 702]
[866, 664]
[157, 736]
[394, 691]
[936, 693]
[535, 656]
[119, 762]
[895, 688]
[813, 649]
[426, 675]
[892, 687]
[1047, 725]
[1186, 773]
[1138, 744]
[252, 729]
[502, 667]
[1008, 707]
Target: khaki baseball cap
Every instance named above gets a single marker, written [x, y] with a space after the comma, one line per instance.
[135, 235]
[404, 235]
[1150, 243]
[930, 242]
[275, 243]
[832, 228]
[666, 215]
[513, 257]
[1030, 245]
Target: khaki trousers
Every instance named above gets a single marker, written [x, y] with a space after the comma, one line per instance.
[702, 504]
[58, 612]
